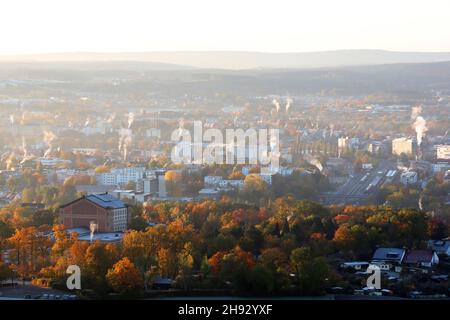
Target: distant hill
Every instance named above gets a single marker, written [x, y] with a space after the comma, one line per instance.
[243, 60]
[87, 65]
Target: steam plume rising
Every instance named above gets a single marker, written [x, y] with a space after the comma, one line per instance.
[10, 161]
[420, 125]
[49, 139]
[415, 112]
[313, 161]
[180, 128]
[276, 104]
[288, 104]
[130, 119]
[111, 118]
[24, 147]
[24, 150]
[125, 139]
[92, 228]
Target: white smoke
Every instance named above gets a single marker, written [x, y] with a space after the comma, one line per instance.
[420, 125]
[125, 139]
[288, 104]
[415, 112]
[49, 139]
[10, 161]
[24, 147]
[111, 118]
[180, 128]
[313, 161]
[130, 119]
[24, 150]
[276, 104]
[92, 228]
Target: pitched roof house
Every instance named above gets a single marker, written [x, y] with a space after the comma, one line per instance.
[441, 247]
[388, 259]
[421, 258]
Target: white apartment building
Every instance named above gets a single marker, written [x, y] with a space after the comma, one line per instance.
[402, 145]
[120, 176]
[443, 152]
[239, 184]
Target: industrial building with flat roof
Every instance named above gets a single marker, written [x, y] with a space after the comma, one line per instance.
[106, 211]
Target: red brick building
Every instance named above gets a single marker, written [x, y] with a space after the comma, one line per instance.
[109, 213]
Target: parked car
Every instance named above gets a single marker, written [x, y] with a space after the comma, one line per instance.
[387, 292]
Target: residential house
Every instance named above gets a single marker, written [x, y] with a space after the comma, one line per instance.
[421, 259]
[388, 259]
[441, 247]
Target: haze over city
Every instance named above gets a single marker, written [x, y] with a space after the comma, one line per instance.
[237, 151]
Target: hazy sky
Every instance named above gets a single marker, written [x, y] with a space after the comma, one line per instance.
[37, 26]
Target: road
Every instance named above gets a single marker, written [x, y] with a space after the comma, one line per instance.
[359, 186]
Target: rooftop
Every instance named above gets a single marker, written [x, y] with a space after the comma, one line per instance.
[106, 200]
[440, 246]
[416, 256]
[392, 254]
[103, 237]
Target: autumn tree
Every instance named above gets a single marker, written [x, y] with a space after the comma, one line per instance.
[125, 279]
